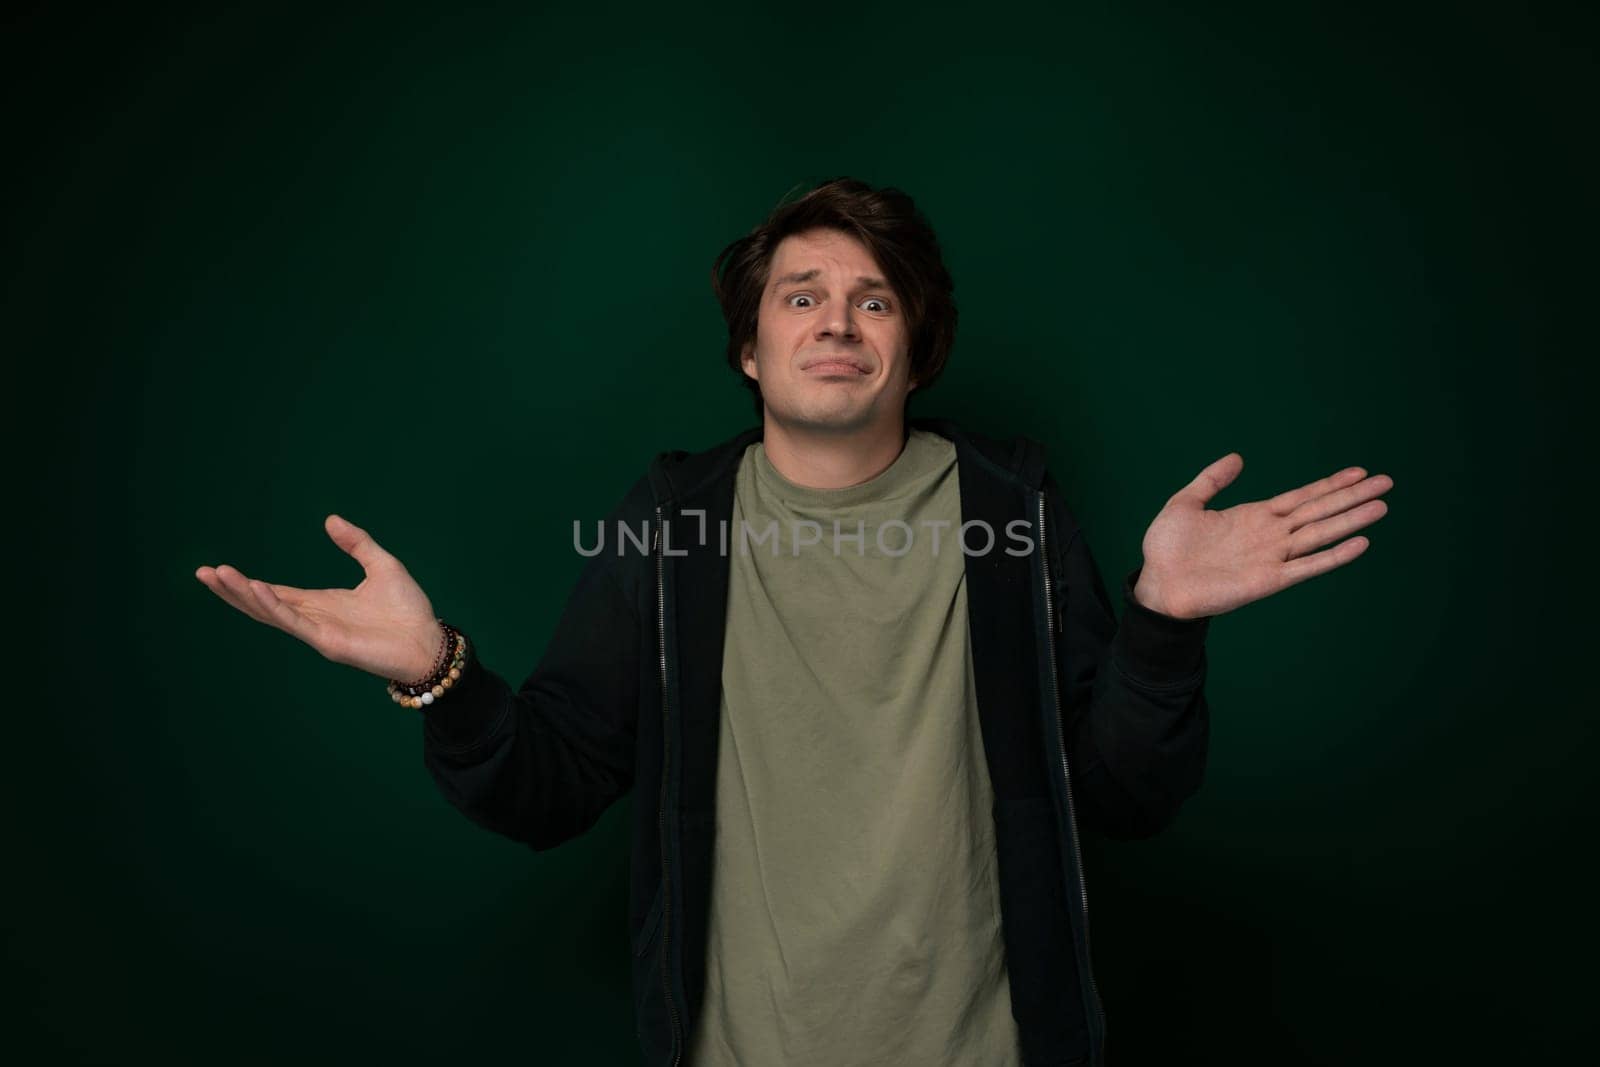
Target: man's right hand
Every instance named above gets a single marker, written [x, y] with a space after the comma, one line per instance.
[384, 626]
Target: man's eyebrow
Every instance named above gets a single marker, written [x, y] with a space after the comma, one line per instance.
[864, 281]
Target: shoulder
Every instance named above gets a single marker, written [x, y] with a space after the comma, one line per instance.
[678, 474]
[1018, 458]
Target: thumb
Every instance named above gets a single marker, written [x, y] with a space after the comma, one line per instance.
[355, 541]
[1214, 479]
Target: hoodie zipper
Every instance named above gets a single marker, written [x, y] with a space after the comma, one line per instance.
[666, 769]
[1066, 776]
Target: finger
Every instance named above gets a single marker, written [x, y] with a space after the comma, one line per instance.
[1318, 508]
[1298, 570]
[1329, 530]
[283, 615]
[356, 542]
[1214, 479]
[213, 581]
[208, 578]
[234, 587]
[290, 595]
[295, 598]
[1285, 502]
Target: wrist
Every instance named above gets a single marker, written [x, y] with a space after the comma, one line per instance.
[428, 642]
[1149, 593]
[449, 668]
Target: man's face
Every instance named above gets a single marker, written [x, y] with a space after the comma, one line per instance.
[832, 342]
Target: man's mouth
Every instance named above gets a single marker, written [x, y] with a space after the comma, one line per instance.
[834, 366]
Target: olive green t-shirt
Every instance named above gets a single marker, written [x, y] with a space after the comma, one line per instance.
[855, 908]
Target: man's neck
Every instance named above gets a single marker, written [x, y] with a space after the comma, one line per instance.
[821, 460]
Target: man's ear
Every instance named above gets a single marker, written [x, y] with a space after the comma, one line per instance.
[747, 360]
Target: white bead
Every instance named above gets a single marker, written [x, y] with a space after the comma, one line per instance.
[427, 697]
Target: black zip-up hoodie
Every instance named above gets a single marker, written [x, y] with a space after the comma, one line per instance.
[1084, 721]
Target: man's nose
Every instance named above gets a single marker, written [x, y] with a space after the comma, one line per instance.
[838, 321]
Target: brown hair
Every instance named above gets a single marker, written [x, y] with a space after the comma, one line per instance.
[899, 237]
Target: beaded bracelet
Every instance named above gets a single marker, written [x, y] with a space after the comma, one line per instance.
[452, 659]
[446, 642]
[447, 645]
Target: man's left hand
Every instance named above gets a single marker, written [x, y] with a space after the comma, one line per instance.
[1199, 562]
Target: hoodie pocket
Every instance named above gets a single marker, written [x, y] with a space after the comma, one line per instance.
[652, 1023]
[1046, 987]
[647, 932]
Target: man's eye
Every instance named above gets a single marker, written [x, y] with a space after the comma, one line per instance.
[797, 296]
[881, 305]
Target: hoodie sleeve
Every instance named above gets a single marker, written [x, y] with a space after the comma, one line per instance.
[541, 763]
[1133, 698]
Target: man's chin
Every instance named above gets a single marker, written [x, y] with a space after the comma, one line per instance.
[839, 420]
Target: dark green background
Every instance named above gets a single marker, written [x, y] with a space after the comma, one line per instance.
[446, 274]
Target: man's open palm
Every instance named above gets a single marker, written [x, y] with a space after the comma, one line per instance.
[384, 626]
[1201, 562]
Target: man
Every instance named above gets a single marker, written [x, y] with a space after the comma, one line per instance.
[862, 762]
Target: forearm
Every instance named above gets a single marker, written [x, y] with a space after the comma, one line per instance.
[541, 763]
[538, 765]
[1148, 723]
[1134, 699]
